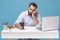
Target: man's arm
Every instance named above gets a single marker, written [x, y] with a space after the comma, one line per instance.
[36, 21]
[19, 19]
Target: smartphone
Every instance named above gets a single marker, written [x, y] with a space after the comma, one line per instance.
[22, 24]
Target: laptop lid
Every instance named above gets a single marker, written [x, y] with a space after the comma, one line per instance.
[50, 23]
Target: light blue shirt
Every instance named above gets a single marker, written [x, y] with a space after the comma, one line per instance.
[27, 19]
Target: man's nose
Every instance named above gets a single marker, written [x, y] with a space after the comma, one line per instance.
[31, 11]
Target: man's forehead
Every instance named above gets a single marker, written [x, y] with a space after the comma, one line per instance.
[32, 8]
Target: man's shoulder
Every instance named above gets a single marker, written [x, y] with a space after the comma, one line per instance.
[37, 13]
[25, 11]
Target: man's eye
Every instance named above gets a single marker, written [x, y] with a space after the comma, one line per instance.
[30, 9]
[33, 10]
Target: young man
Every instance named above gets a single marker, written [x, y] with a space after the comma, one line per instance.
[30, 18]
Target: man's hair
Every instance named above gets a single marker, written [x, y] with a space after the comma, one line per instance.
[33, 4]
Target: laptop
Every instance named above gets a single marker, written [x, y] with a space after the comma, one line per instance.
[50, 23]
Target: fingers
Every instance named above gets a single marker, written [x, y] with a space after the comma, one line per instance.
[18, 26]
[34, 12]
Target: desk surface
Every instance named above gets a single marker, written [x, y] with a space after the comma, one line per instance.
[29, 32]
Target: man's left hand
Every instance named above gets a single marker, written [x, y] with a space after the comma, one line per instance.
[33, 14]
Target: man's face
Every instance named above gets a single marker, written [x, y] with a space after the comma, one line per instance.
[31, 9]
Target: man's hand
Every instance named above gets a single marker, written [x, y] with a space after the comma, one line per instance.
[34, 18]
[33, 14]
[17, 26]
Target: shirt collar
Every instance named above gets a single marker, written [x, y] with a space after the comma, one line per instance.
[27, 13]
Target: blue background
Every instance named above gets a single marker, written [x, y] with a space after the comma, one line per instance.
[10, 9]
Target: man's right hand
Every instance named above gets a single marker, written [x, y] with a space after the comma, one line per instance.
[17, 26]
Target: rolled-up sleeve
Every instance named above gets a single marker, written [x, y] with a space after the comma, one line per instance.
[39, 19]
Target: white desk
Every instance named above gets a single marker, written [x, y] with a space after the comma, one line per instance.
[29, 32]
